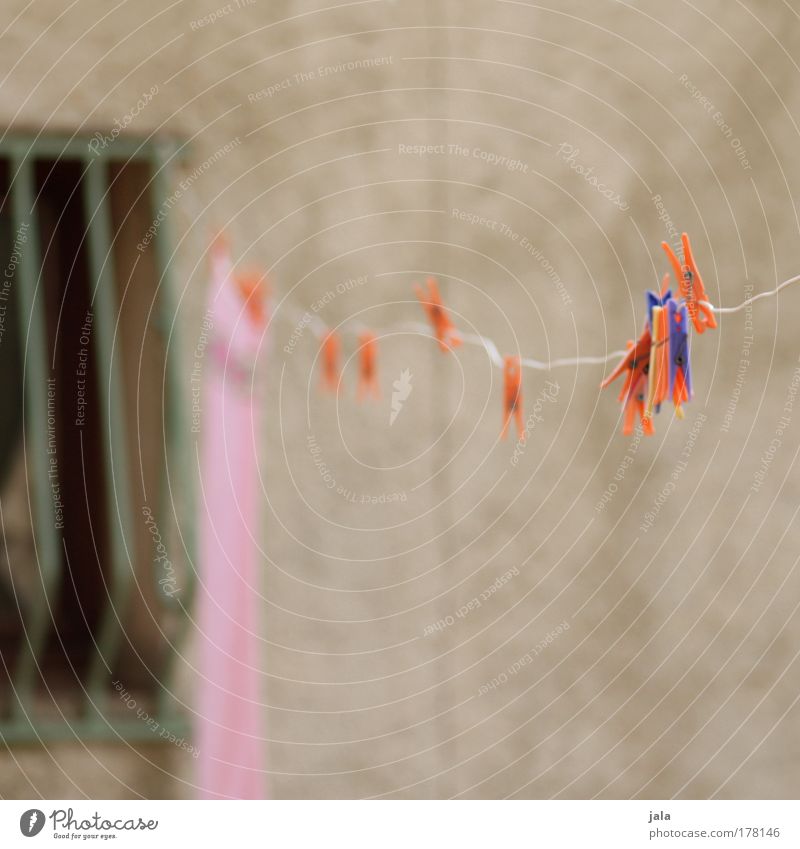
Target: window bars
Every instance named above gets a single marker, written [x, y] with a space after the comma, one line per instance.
[90, 637]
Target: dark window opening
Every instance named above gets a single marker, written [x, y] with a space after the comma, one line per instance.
[70, 350]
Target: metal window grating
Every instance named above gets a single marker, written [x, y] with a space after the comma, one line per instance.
[58, 671]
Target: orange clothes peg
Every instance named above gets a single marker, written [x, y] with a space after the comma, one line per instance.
[443, 329]
[691, 286]
[330, 361]
[253, 288]
[368, 375]
[635, 362]
[635, 365]
[634, 404]
[512, 397]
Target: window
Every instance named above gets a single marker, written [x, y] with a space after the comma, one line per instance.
[92, 595]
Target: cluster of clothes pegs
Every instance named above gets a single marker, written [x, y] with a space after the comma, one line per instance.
[657, 367]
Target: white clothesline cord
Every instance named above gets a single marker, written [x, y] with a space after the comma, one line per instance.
[487, 345]
[320, 330]
[757, 297]
[572, 361]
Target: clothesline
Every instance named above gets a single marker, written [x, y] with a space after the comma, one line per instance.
[757, 297]
[320, 330]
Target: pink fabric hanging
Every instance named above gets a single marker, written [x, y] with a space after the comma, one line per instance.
[229, 730]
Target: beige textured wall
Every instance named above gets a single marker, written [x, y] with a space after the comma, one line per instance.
[678, 673]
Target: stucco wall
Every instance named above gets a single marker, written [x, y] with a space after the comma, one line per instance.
[678, 672]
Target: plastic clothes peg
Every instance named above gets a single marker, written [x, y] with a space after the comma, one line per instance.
[654, 299]
[252, 286]
[658, 371]
[443, 329]
[634, 404]
[691, 286]
[680, 373]
[368, 373]
[512, 397]
[634, 365]
[330, 361]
